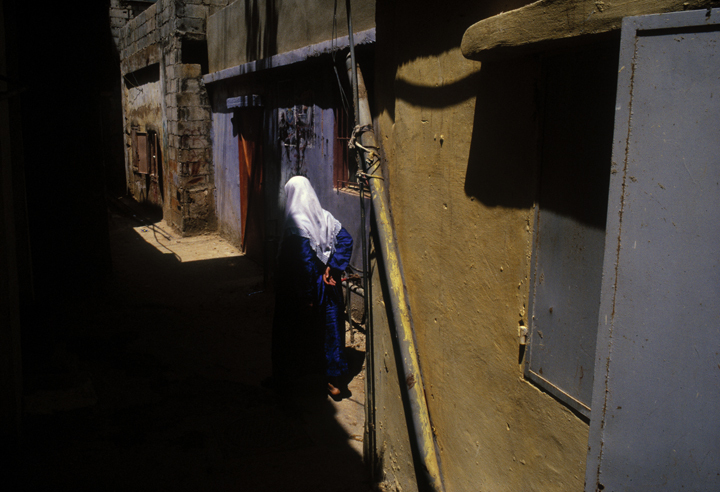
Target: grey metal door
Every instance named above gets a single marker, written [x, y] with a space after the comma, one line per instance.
[570, 221]
[655, 422]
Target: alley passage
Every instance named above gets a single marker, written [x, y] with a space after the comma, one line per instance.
[154, 384]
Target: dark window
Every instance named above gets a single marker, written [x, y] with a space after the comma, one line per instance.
[195, 52]
[346, 165]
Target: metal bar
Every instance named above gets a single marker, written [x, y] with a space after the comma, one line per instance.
[370, 449]
[354, 289]
[411, 380]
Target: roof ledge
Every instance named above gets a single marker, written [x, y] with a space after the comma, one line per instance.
[544, 22]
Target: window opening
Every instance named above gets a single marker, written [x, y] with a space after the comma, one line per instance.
[345, 166]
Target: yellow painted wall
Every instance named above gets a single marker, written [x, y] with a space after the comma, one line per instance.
[461, 155]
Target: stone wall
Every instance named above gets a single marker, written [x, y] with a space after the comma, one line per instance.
[171, 35]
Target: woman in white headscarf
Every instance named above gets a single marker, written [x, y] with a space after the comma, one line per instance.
[309, 326]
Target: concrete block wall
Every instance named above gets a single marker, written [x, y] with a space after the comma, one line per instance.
[157, 35]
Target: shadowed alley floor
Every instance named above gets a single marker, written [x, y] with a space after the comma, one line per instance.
[155, 383]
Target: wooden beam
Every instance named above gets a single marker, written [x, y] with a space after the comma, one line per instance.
[548, 21]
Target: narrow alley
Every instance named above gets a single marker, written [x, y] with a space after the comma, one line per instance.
[533, 282]
[154, 384]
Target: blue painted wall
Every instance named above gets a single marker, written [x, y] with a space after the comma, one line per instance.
[282, 90]
[227, 178]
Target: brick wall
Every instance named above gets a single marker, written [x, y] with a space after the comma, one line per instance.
[160, 35]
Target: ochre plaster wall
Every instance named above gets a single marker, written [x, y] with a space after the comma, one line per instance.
[460, 141]
[238, 35]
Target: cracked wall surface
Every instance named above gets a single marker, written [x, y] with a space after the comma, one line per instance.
[168, 39]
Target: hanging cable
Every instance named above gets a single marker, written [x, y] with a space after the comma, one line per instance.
[370, 427]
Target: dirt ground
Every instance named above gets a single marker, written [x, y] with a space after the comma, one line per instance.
[154, 384]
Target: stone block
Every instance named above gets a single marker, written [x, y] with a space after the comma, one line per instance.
[174, 44]
[171, 57]
[193, 142]
[194, 11]
[173, 86]
[191, 85]
[116, 22]
[119, 13]
[198, 201]
[172, 71]
[194, 113]
[190, 70]
[193, 128]
[196, 184]
[171, 114]
[151, 24]
[187, 156]
[185, 99]
[165, 13]
[198, 168]
[187, 24]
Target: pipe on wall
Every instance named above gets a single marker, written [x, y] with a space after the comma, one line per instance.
[411, 381]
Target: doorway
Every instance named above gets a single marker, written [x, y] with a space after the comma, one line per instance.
[249, 124]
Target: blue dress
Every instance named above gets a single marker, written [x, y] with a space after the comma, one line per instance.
[309, 322]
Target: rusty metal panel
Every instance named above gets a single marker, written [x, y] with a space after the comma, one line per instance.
[656, 396]
[153, 153]
[142, 152]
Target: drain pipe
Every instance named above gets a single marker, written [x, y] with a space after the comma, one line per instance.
[411, 380]
[369, 443]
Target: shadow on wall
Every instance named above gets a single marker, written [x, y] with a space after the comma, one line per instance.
[543, 132]
[504, 148]
[261, 41]
[407, 31]
[541, 123]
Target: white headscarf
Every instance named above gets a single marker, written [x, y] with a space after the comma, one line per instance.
[305, 217]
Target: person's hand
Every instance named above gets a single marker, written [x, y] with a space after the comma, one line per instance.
[327, 278]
